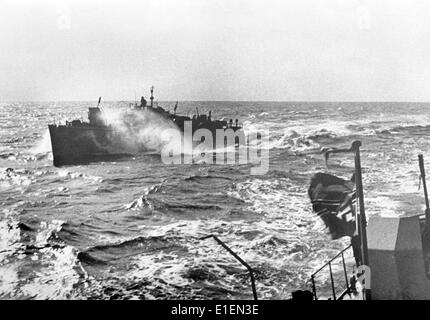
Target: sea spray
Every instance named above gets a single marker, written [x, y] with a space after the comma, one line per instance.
[43, 146]
[140, 131]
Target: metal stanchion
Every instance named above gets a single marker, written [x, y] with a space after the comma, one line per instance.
[360, 217]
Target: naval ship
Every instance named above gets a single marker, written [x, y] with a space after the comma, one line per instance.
[80, 142]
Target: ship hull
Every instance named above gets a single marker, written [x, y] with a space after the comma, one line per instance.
[80, 145]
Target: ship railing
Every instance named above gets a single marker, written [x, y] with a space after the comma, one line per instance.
[236, 256]
[328, 266]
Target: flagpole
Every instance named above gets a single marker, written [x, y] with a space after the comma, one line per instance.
[361, 218]
[423, 178]
[425, 235]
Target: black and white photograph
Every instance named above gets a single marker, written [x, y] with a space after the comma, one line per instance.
[225, 150]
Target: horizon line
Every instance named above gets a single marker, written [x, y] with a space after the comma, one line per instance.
[260, 101]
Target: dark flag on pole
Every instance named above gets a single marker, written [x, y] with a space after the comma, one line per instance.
[333, 200]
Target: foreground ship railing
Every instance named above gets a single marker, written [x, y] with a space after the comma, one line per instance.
[348, 287]
[399, 258]
[360, 223]
[251, 272]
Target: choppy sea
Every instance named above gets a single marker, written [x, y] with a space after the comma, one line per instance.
[131, 228]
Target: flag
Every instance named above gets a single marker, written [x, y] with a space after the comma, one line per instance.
[333, 200]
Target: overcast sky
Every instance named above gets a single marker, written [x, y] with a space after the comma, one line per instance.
[320, 50]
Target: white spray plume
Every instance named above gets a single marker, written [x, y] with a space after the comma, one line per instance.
[140, 131]
[43, 146]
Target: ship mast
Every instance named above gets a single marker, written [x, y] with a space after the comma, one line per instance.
[152, 96]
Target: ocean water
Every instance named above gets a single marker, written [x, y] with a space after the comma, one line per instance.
[131, 229]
